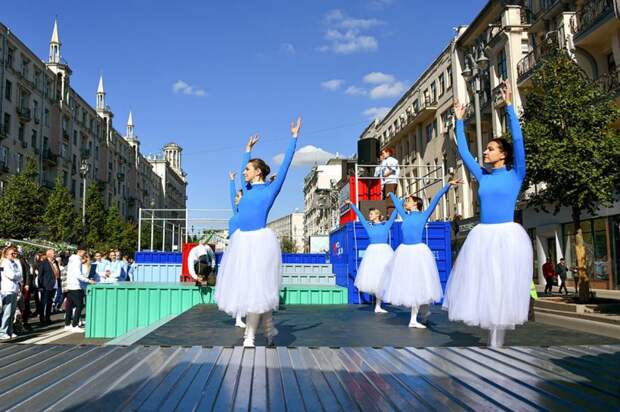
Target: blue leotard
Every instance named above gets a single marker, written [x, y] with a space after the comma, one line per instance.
[377, 232]
[413, 224]
[257, 202]
[232, 223]
[498, 188]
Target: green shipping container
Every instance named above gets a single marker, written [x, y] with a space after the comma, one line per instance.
[115, 309]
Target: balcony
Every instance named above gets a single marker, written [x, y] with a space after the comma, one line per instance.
[498, 100]
[610, 82]
[4, 168]
[23, 113]
[49, 158]
[425, 110]
[65, 135]
[591, 21]
[526, 16]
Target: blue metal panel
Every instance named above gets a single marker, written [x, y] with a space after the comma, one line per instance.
[157, 272]
[159, 257]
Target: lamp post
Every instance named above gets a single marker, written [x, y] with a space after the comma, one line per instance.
[84, 173]
[152, 223]
[479, 63]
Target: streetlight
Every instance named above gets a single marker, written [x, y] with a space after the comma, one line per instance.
[83, 173]
[479, 63]
[152, 223]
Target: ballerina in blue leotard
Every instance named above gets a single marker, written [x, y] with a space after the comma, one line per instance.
[377, 254]
[490, 282]
[250, 281]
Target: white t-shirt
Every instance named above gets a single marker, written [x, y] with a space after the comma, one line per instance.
[195, 253]
[390, 164]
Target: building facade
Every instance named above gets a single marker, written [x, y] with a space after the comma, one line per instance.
[321, 211]
[290, 227]
[43, 117]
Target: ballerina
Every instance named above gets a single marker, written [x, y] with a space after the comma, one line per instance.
[490, 282]
[377, 254]
[251, 278]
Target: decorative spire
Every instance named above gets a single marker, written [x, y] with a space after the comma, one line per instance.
[130, 126]
[100, 95]
[100, 87]
[54, 56]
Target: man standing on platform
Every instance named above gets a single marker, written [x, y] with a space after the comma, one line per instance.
[49, 272]
[388, 171]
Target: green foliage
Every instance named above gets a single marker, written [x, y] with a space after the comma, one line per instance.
[114, 230]
[22, 204]
[96, 217]
[287, 245]
[60, 218]
[572, 150]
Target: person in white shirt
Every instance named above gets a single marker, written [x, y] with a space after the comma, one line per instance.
[102, 266]
[201, 249]
[388, 171]
[75, 293]
[9, 288]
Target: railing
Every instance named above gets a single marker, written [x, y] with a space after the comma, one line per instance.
[498, 100]
[49, 157]
[526, 16]
[527, 64]
[610, 82]
[591, 12]
[23, 113]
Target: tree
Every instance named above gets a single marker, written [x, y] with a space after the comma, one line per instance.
[287, 245]
[95, 216]
[114, 230]
[61, 221]
[573, 153]
[22, 204]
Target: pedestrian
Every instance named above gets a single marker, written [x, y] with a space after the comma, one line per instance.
[126, 267]
[59, 296]
[123, 266]
[549, 273]
[48, 273]
[75, 294]
[9, 288]
[131, 267]
[378, 254]
[27, 289]
[114, 269]
[250, 282]
[489, 285]
[34, 269]
[101, 268]
[412, 278]
[388, 171]
[561, 271]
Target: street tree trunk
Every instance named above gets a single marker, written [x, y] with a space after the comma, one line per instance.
[582, 280]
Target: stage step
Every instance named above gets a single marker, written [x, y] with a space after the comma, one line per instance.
[115, 309]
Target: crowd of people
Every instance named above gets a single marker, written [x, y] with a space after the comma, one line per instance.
[52, 282]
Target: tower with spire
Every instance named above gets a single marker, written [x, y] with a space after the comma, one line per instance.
[57, 65]
[103, 110]
[131, 136]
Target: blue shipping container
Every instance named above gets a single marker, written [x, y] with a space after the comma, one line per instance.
[349, 242]
[156, 272]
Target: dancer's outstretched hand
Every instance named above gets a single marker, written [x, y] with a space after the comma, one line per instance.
[459, 109]
[231, 175]
[506, 92]
[295, 126]
[455, 182]
[252, 141]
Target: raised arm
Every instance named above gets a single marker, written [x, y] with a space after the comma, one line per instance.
[276, 185]
[361, 217]
[246, 158]
[398, 204]
[435, 201]
[461, 142]
[517, 142]
[392, 218]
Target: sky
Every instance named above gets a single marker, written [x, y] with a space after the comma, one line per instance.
[208, 74]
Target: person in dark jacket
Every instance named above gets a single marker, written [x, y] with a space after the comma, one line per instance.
[49, 273]
[561, 270]
[27, 288]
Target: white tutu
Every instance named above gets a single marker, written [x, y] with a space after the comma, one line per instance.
[373, 266]
[249, 280]
[490, 282]
[411, 278]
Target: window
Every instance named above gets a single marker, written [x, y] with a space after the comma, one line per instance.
[503, 120]
[73, 187]
[7, 124]
[449, 77]
[10, 57]
[502, 71]
[75, 137]
[416, 106]
[441, 82]
[64, 152]
[19, 162]
[37, 79]
[4, 156]
[8, 90]
[20, 132]
[65, 178]
[434, 92]
[46, 118]
[25, 66]
[445, 118]
[33, 138]
[429, 131]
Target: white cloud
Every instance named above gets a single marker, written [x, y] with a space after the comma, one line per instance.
[355, 91]
[378, 78]
[376, 113]
[181, 87]
[388, 90]
[287, 48]
[380, 4]
[332, 85]
[307, 156]
[345, 35]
